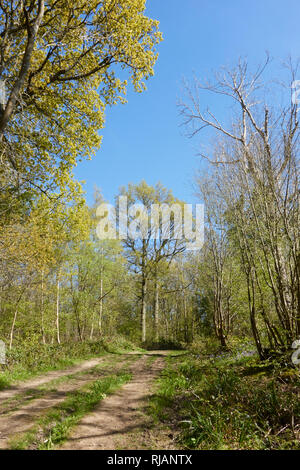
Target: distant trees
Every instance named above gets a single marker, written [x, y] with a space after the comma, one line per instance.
[156, 240]
[61, 275]
[65, 284]
[218, 259]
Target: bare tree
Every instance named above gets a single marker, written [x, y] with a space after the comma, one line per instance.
[257, 163]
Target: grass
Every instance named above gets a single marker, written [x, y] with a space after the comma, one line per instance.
[226, 403]
[21, 372]
[15, 402]
[53, 428]
[217, 402]
[30, 359]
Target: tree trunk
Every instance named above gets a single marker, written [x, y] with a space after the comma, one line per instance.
[143, 308]
[100, 307]
[32, 32]
[14, 321]
[185, 319]
[92, 329]
[57, 309]
[156, 310]
[13, 328]
[42, 309]
[251, 300]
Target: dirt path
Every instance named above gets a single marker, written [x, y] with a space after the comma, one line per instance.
[21, 420]
[118, 422]
[23, 387]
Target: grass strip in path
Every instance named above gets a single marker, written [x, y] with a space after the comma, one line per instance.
[120, 421]
[16, 401]
[22, 420]
[54, 428]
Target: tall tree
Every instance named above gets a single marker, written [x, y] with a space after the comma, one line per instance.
[156, 241]
[257, 176]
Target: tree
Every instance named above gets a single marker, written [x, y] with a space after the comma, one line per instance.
[34, 250]
[155, 242]
[257, 176]
[218, 254]
[61, 64]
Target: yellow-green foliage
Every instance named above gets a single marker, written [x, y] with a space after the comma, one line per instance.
[75, 71]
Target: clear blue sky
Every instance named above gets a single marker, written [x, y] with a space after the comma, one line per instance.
[143, 139]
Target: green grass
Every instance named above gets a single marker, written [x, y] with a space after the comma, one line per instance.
[229, 404]
[53, 428]
[28, 359]
[15, 402]
[21, 372]
[176, 353]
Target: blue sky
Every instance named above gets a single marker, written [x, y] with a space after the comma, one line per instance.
[143, 139]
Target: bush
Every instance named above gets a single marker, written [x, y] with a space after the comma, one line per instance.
[163, 344]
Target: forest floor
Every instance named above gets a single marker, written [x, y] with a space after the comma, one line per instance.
[98, 404]
[156, 400]
[230, 401]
